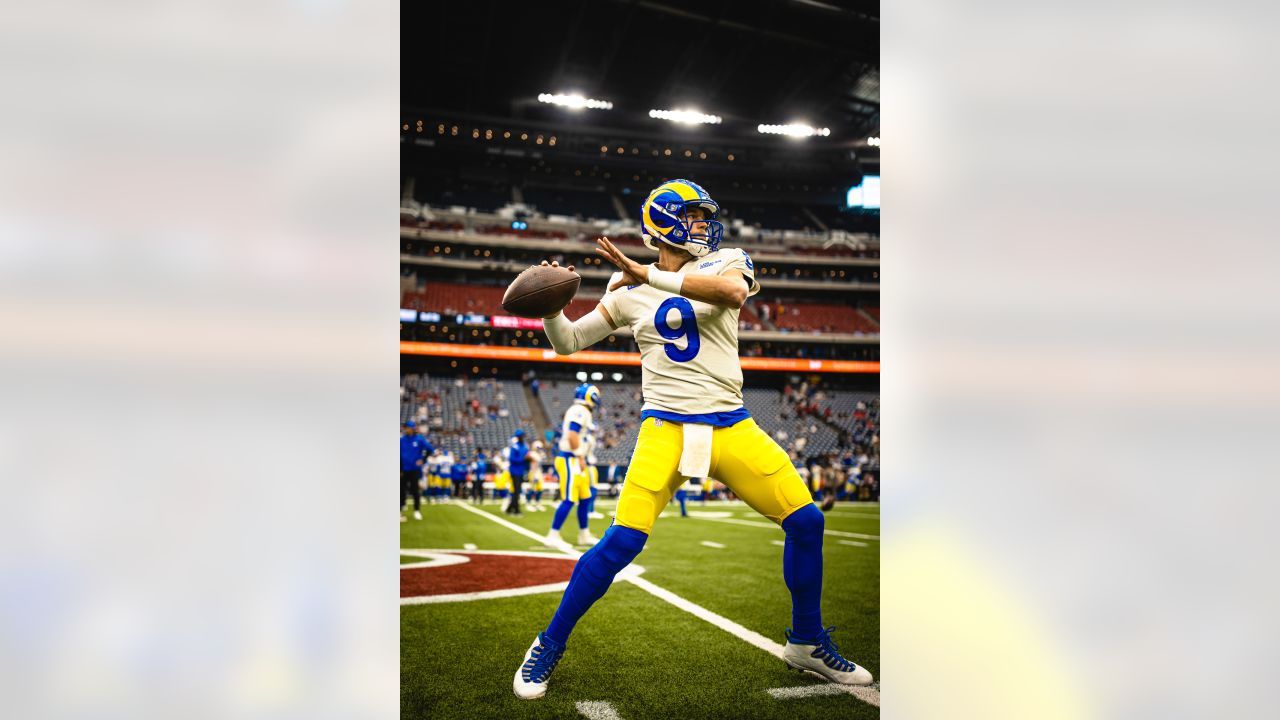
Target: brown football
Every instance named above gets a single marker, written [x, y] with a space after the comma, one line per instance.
[540, 291]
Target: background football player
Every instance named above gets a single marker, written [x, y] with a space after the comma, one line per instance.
[575, 484]
[683, 313]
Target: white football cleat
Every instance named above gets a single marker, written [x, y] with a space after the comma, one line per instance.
[417, 515]
[531, 677]
[554, 540]
[586, 538]
[825, 659]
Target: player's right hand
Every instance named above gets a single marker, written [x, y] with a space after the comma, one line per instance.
[555, 263]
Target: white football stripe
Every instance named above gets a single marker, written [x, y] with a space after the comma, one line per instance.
[484, 595]
[772, 526]
[854, 543]
[710, 544]
[868, 695]
[596, 710]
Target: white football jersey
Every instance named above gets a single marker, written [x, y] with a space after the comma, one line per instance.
[576, 419]
[688, 349]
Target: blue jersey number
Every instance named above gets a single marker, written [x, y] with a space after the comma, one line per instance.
[688, 328]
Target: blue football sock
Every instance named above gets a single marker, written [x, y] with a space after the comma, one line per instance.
[592, 575]
[591, 504]
[538, 496]
[802, 570]
[682, 497]
[562, 514]
[582, 514]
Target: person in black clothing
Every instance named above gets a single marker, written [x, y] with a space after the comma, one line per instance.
[414, 449]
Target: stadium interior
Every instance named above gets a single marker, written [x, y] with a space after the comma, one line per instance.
[506, 165]
[527, 131]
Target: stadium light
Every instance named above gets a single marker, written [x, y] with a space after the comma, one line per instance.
[688, 117]
[793, 130]
[874, 141]
[575, 101]
[582, 377]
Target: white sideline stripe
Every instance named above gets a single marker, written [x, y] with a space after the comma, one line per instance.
[804, 691]
[719, 621]
[779, 543]
[597, 710]
[751, 637]
[854, 543]
[710, 544]
[484, 595]
[760, 523]
[512, 526]
[867, 694]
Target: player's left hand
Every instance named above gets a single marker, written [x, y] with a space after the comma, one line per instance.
[633, 273]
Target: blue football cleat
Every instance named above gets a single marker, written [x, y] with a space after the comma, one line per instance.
[531, 679]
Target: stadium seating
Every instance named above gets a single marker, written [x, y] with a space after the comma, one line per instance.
[570, 203]
[457, 424]
[456, 298]
[481, 197]
[822, 317]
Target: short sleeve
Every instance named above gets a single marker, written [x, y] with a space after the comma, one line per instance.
[741, 261]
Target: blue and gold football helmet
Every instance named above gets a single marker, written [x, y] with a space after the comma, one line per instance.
[588, 395]
[664, 217]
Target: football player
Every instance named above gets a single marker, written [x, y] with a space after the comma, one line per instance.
[534, 495]
[593, 472]
[575, 485]
[683, 312]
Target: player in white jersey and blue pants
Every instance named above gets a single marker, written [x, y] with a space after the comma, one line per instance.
[683, 313]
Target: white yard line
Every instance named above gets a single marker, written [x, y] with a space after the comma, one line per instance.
[765, 524]
[468, 546]
[485, 594]
[779, 543]
[715, 545]
[854, 543]
[751, 637]
[596, 710]
[867, 694]
[512, 526]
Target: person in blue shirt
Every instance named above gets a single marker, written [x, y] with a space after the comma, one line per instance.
[518, 459]
[414, 450]
[479, 468]
[458, 473]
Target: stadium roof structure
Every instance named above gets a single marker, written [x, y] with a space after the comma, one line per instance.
[749, 63]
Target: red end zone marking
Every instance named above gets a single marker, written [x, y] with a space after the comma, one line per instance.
[485, 572]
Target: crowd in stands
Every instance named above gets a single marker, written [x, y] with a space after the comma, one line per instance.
[837, 431]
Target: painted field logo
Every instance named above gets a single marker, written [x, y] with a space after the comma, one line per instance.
[461, 575]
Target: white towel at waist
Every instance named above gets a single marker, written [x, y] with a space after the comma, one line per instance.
[695, 460]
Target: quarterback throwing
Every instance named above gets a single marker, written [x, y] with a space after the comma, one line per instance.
[683, 313]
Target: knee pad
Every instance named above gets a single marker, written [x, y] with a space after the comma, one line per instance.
[619, 546]
[805, 523]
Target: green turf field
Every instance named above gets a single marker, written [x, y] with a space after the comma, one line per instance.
[644, 656]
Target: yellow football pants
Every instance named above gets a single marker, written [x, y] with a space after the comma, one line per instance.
[743, 457]
[575, 485]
